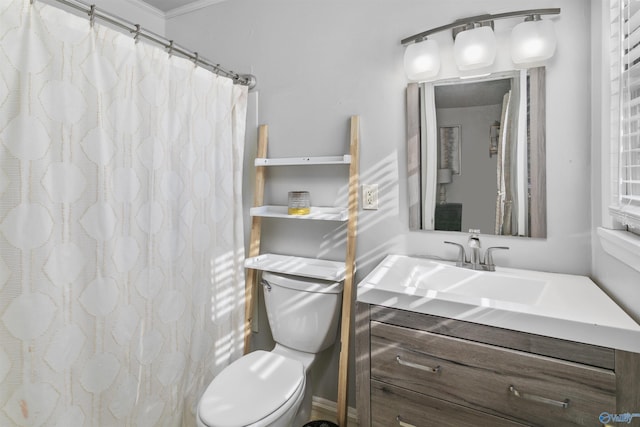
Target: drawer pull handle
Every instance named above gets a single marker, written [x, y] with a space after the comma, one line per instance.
[416, 366]
[402, 423]
[527, 396]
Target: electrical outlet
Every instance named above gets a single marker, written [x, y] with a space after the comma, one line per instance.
[370, 196]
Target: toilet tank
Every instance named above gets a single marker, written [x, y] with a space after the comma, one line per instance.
[303, 312]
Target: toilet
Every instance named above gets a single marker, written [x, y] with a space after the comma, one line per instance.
[272, 388]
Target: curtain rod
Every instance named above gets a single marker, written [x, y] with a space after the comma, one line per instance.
[476, 19]
[93, 12]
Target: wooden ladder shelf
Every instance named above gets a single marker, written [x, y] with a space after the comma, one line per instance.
[321, 269]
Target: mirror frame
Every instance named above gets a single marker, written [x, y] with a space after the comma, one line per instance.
[537, 154]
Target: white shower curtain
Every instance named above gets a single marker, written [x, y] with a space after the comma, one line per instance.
[511, 173]
[121, 247]
[429, 154]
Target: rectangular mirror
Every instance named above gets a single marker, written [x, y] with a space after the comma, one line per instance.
[476, 154]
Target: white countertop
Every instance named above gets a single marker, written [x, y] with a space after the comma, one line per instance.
[562, 306]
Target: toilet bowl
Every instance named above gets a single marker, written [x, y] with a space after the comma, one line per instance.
[272, 388]
[259, 389]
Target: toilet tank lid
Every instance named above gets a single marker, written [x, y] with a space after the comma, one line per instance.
[301, 283]
[250, 389]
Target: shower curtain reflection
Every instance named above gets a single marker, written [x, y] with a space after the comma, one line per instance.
[512, 169]
[121, 247]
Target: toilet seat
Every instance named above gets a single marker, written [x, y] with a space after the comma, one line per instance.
[263, 384]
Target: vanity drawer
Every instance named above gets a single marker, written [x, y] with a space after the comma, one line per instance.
[504, 382]
[395, 406]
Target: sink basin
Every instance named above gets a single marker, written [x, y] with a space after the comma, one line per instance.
[501, 288]
[431, 278]
[563, 306]
[446, 278]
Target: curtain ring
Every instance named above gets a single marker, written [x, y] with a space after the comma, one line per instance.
[137, 33]
[195, 59]
[170, 48]
[92, 15]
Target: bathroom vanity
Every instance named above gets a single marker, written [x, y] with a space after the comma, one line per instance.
[441, 345]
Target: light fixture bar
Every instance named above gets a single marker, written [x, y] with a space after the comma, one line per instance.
[479, 18]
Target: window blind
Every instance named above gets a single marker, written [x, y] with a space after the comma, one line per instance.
[625, 111]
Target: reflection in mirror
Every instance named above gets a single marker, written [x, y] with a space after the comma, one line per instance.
[476, 154]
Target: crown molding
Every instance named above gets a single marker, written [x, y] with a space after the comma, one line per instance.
[148, 8]
[191, 7]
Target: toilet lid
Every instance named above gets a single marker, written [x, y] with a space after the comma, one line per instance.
[258, 383]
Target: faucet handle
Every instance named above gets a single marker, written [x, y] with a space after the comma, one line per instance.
[461, 255]
[488, 255]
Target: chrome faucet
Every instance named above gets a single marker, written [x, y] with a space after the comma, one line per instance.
[474, 245]
[475, 261]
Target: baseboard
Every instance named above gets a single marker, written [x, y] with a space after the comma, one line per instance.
[329, 409]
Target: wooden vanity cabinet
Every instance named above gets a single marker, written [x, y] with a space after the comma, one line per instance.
[421, 370]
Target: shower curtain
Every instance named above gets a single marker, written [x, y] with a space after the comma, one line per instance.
[429, 154]
[121, 247]
[510, 146]
[503, 169]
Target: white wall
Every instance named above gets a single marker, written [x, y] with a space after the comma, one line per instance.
[476, 186]
[134, 11]
[318, 62]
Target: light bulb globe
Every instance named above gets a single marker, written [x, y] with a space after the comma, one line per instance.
[475, 48]
[422, 60]
[532, 42]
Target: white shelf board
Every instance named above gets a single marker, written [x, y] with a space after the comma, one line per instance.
[298, 266]
[294, 161]
[317, 213]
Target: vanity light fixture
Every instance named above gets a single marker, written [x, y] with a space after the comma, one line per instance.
[532, 41]
[422, 60]
[475, 48]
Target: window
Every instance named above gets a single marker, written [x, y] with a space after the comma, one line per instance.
[625, 112]
[622, 43]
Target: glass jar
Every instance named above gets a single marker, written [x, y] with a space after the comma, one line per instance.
[299, 203]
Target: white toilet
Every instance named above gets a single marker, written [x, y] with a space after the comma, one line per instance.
[272, 388]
